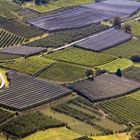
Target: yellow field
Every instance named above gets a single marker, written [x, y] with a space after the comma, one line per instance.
[54, 134]
[122, 136]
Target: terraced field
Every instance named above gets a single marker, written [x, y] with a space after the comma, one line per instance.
[63, 72]
[126, 50]
[119, 63]
[29, 65]
[81, 57]
[8, 39]
[126, 108]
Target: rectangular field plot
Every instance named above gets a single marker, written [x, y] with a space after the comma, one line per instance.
[104, 40]
[126, 49]
[63, 72]
[105, 86]
[73, 18]
[126, 8]
[24, 50]
[126, 108]
[30, 65]
[81, 57]
[27, 92]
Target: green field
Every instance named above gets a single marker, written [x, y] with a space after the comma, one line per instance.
[81, 57]
[132, 73]
[135, 26]
[54, 5]
[8, 9]
[63, 72]
[126, 50]
[81, 110]
[136, 95]
[54, 134]
[119, 63]
[29, 65]
[125, 108]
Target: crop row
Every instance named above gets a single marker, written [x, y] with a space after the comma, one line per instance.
[8, 39]
[126, 108]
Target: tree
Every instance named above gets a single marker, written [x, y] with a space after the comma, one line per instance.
[117, 22]
[135, 134]
[127, 28]
[119, 73]
[90, 74]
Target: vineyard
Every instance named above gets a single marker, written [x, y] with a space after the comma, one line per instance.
[119, 63]
[126, 50]
[83, 110]
[81, 57]
[8, 39]
[63, 72]
[126, 108]
[29, 65]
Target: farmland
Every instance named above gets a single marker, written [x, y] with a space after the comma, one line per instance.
[55, 134]
[63, 72]
[104, 40]
[125, 8]
[8, 10]
[19, 28]
[31, 92]
[79, 16]
[24, 50]
[8, 39]
[90, 113]
[105, 86]
[61, 38]
[54, 5]
[29, 123]
[30, 65]
[126, 50]
[85, 58]
[76, 18]
[5, 115]
[119, 63]
[7, 57]
[122, 136]
[132, 73]
[126, 108]
[71, 69]
[135, 26]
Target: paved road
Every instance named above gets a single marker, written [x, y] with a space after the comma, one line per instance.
[2, 81]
